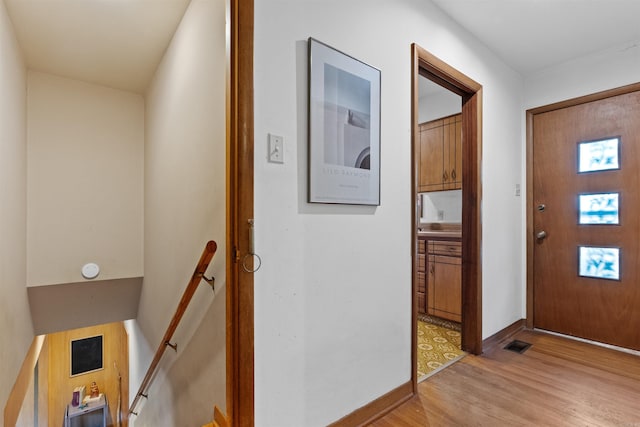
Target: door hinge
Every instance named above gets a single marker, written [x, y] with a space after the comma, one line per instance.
[236, 254]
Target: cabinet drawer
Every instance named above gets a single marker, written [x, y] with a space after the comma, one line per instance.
[422, 246]
[445, 247]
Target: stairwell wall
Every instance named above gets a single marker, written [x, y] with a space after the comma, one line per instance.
[185, 206]
[85, 181]
[16, 330]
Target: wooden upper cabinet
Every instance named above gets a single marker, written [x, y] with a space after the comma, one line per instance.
[431, 155]
[440, 153]
[455, 152]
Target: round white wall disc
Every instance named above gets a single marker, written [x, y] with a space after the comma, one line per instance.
[90, 270]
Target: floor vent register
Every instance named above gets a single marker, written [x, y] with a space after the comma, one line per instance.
[517, 346]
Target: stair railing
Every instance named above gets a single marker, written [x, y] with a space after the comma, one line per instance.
[196, 279]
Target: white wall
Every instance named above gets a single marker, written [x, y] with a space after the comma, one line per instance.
[85, 180]
[184, 208]
[16, 331]
[333, 296]
[607, 69]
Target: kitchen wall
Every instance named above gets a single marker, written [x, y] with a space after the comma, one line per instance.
[333, 296]
[85, 180]
[185, 155]
[442, 206]
[16, 331]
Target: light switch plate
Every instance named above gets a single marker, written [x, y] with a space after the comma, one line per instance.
[276, 149]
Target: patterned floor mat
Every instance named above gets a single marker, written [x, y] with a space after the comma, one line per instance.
[437, 348]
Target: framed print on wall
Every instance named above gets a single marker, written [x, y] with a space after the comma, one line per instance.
[87, 355]
[344, 128]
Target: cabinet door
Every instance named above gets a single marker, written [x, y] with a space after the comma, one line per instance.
[448, 172]
[431, 156]
[421, 288]
[452, 172]
[440, 157]
[455, 153]
[444, 297]
[422, 293]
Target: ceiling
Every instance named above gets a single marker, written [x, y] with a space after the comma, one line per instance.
[119, 43]
[115, 43]
[530, 35]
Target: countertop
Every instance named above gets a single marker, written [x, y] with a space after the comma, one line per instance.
[443, 230]
[441, 233]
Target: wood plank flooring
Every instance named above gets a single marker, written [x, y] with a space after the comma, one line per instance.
[556, 382]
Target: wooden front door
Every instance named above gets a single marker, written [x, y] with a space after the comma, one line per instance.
[586, 225]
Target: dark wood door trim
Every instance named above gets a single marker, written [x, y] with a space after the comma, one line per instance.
[428, 65]
[531, 113]
[239, 286]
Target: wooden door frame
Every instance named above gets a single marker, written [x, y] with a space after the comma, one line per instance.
[531, 113]
[428, 65]
[239, 286]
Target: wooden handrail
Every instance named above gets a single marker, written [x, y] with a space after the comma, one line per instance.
[196, 278]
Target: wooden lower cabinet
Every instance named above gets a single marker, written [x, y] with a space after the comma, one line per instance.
[443, 279]
[421, 291]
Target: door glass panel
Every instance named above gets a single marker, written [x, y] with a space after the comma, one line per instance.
[601, 208]
[602, 263]
[599, 155]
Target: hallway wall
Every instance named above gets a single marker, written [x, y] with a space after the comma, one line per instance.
[16, 331]
[333, 296]
[607, 69]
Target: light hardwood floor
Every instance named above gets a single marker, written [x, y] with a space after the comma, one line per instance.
[556, 382]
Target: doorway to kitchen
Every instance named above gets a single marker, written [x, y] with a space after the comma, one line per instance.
[439, 198]
[447, 280]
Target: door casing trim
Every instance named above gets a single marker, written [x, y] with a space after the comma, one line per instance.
[240, 139]
[428, 65]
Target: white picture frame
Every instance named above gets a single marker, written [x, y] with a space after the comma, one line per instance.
[344, 128]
